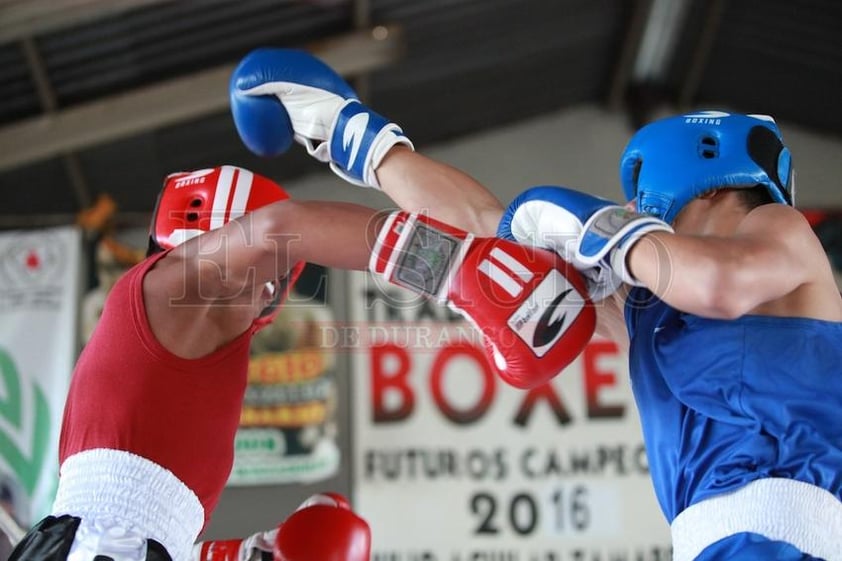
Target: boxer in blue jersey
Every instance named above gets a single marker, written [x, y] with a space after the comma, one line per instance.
[710, 278]
[734, 327]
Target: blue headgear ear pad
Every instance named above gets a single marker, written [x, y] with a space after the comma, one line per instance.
[670, 162]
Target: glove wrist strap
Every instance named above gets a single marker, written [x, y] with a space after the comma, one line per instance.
[359, 140]
[610, 233]
[419, 254]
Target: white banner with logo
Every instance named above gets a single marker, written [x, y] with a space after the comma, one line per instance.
[450, 464]
[39, 302]
[288, 426]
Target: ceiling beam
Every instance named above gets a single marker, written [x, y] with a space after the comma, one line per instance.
[27, 18]
[174, 101]
[624, 68]
[49, 103]
[639, 83]
[663, 30]
[696, 68]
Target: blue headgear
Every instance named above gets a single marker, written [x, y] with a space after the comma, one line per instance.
[670, 162]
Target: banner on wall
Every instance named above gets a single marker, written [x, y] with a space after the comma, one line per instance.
[39, 299]
[450, 464]
[288, 429]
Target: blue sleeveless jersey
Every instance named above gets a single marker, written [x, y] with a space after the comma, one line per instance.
[726, 402]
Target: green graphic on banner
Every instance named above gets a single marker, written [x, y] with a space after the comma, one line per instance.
[26, 469]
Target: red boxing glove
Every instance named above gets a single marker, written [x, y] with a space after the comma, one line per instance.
[324, 528]
[531, 306]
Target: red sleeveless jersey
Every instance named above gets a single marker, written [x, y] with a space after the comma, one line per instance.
[129, 393]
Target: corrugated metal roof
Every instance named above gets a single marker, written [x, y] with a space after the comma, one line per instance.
[468, 65]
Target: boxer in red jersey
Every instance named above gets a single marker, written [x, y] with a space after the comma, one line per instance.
[155, 398]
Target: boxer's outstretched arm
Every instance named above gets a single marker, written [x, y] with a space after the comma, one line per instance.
[418, 183]
[209, 289]
[264, 244]
[284, 96]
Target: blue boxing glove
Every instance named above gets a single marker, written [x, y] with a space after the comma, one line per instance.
[591, 233]
[281, 95]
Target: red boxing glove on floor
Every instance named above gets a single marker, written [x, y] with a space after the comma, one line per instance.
[324, 528]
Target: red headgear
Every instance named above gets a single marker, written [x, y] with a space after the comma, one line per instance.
[195, 202]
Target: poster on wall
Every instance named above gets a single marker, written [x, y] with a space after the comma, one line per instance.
[288, 431]
[451, 464]
[39, 299]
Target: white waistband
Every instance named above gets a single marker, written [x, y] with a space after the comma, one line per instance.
[806, 516]
[111, 488]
